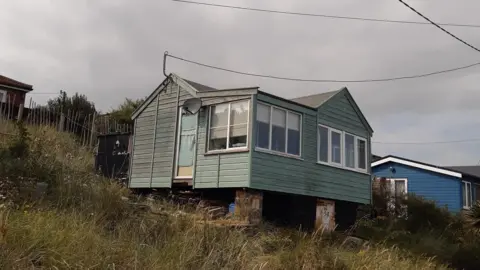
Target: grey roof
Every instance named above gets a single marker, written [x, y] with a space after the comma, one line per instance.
[200, 87]
[315, 100]
[472, 170]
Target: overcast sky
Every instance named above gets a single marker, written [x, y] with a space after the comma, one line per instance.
[110, 50]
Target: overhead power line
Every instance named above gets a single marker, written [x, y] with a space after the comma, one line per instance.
[39, 93]
[431, 142]
[439, 27]
[321, 15]
[322, 80]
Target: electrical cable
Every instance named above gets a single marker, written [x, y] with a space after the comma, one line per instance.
[323, 80]
[322, 15]
[439, 27]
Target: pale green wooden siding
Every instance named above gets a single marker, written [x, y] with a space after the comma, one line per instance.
[340, 114]
[220, 170]
[161, 152]
[140, 171]
[304, 176]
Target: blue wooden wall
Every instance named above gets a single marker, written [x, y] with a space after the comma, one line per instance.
[445, 190]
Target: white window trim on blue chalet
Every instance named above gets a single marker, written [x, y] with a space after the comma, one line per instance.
[416, 165]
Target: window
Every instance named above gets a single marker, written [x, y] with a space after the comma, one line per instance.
[349, 151]
[3, 96]
[362, 154]
[323, 141]
[339, 148]
[293, 133]
[398, 190]
[278, 130]
[263, 126]
[279, 136]
[228, 126]
[336, 146]
[467, 194]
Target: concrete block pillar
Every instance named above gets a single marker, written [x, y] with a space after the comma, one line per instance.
[325, 215]
[249, 205]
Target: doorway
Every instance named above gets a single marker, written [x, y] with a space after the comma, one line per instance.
[185, 146]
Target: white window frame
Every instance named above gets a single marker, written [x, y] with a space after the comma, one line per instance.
[269, 150]
[356, 153]
[464, 190]
[228, 148]
[342, 147]
[4, 98]
[342, 150]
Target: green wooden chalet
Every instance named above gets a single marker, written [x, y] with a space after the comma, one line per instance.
[306, 156]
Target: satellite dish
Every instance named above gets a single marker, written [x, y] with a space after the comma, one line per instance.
[192, 105]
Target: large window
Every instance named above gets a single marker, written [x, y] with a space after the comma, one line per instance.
[278, 129]
[342, 149]
[228, 127]
[467, 194]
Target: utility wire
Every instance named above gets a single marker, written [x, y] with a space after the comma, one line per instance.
[324, 80]
[321, 15]
[439, 27]
[37, 93]
[434, 142]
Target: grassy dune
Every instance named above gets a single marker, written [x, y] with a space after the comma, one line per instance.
[84, 222]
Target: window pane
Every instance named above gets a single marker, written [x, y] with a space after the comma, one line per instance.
[400, 188]
[293, 139]
[323, 140]
[238, 136]
[349, 151]
[336, 147]
[218, 138]
[239, 113]
[278, 130]
[263, 126]
[464, 194]
[219, 116]
[361, 151]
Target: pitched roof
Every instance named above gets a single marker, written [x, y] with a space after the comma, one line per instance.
[200, 87]
[13, 83]
[417, 164]
[316, 100]
[471, 170]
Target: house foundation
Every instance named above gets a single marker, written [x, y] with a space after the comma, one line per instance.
[325, 215]
[248, 205]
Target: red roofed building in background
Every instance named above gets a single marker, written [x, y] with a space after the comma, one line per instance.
[13, 91]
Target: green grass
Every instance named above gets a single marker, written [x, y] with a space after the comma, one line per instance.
[84, 223]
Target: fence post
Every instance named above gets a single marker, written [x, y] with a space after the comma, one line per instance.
[92, 131]
[20, 113]
[61, 125]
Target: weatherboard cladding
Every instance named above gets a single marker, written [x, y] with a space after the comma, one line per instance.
[304, 176]
[152, 162]
[153, 148]
[444, 189]
[219, 170]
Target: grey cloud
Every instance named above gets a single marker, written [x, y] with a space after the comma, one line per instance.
[110, 50]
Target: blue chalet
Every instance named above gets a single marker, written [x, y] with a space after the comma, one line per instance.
[451, 187]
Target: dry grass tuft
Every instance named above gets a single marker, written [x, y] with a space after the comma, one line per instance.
[84, 223]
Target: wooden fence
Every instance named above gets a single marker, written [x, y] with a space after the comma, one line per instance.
[86, 127]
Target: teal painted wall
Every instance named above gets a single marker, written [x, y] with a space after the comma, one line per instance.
[304, 176]
[224, 170]
[154, 137]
